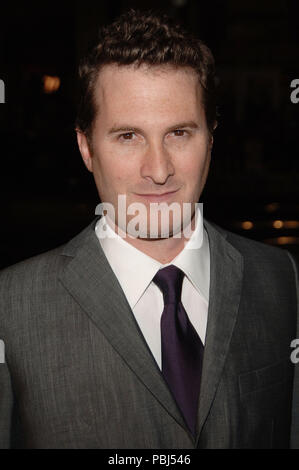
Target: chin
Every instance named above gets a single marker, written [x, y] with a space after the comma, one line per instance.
[162, 231]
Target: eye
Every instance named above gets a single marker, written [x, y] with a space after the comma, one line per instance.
[179, 132]
[127, 136]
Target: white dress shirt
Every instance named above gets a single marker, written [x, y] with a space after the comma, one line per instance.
[135, 271]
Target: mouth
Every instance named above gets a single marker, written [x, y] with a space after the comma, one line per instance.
[155, 197]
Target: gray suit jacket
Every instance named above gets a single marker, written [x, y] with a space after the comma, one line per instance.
[79, 374]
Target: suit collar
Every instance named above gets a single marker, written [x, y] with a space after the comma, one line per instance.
[89, 278]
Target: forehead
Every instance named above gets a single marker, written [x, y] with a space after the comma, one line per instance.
[132, 88]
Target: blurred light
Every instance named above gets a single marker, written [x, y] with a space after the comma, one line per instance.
[272, 207]
[278, 224]
[247, 225]
[51, 84]
[291, 223]
[179, 3]
[283, 241]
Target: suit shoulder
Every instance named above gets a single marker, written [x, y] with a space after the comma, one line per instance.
[44, 264]
[261, 259]
[48, 263]
[248, 246]
[254, 246]
[276, 266]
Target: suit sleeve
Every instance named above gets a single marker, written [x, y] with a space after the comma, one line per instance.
[295, 405]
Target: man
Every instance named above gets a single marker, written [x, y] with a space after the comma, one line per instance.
[168, 333]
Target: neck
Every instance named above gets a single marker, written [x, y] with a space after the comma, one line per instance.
[163, 250]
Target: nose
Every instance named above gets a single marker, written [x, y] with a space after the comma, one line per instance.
[157, 164]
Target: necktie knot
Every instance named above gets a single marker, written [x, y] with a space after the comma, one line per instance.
[170, 280]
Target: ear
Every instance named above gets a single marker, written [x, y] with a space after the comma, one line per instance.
[84, 149]
[211, 142]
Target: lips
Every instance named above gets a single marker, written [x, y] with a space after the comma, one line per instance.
[155, 197]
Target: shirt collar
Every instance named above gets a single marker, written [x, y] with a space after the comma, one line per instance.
[135, 270]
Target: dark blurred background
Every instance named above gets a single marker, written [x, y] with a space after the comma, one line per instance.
[47, 195]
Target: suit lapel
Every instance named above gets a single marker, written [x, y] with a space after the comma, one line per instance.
[226, 274]
[91, 282]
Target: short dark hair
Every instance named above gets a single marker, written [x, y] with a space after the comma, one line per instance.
[139, 38]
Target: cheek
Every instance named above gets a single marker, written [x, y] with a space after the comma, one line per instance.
[110, 169]
[193, 164]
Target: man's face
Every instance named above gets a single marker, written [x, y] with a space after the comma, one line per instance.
[150, 140]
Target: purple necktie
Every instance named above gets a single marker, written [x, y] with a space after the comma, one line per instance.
[182, 349]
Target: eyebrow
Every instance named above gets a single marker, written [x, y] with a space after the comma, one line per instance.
[127, 128]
